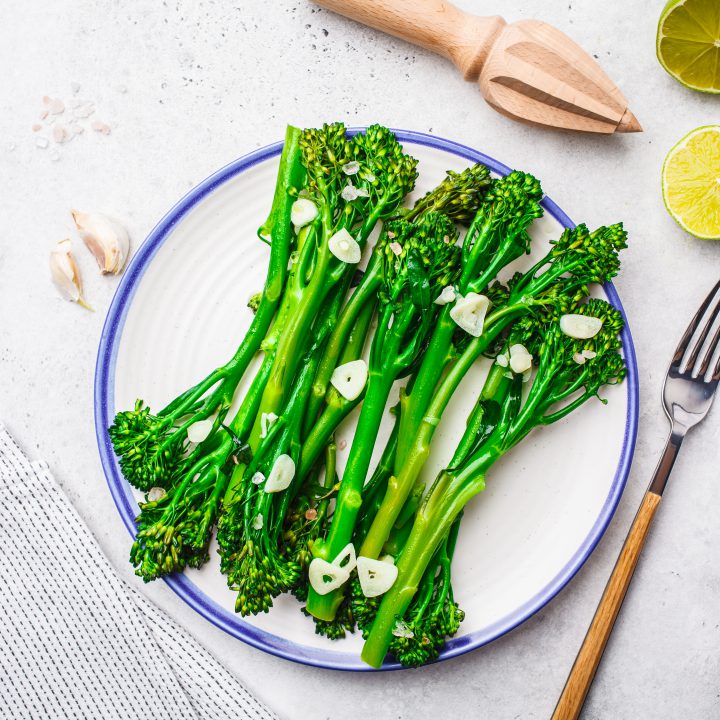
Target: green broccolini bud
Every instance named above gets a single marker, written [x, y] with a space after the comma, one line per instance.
[515, 199]
[254, 302]
[458, 196]
[340, 626]
[363, 608]
[149, 452]
[596, 251]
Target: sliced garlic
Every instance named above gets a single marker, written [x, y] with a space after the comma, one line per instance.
[344, 247]
[396, 248]
[258, 478]
[469, 313]
[589, 354]
[350, 379]
[351, 168]
[105, 238]
[155, 494]
[350, 192]
[579, 358]
[303, 212]
[258, 522]
[520, 359]
[326, 577]
[580, 327]
[281, 475]
[502, 360]
[266, 422]
[346, 558]
[446, 296]
[65, 273]
[376, 577]
[199, 431]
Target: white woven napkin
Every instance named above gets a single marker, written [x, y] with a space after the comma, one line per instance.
[75, 640]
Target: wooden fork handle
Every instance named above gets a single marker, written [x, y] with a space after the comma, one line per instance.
[433, 24]
[583, 671]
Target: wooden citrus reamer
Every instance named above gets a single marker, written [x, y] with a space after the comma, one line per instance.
[528, 70]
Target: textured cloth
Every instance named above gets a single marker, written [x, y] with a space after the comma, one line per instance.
[75, 640]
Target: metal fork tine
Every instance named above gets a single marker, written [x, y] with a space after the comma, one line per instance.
[701, 340]
[692, 327]
[715, 377]
[708, 355]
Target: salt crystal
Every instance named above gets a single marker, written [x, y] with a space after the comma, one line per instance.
[41, 142]
[75, 87]
[84, 111]
[56, 107]
[100, 127]
[36, 127]
[60, 134]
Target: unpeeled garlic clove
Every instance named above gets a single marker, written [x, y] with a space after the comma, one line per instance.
[105, 238]
[65, 273]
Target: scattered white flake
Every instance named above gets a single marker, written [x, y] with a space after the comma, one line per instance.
[589, 354]
[342, 444]
[396, 247]
[349, 192]
[402, 630]
[36, 127]
[258, 478]
[101, 127]
[362, 192]
[446, 296]
[155, 494]
[580, 327]
[41, 142]
[351, 168]
[75, 87]
[84, 111]
[258, 522]
[266, 422]
[502, 360]
[59, 134]
[579, 358]
[370, 177]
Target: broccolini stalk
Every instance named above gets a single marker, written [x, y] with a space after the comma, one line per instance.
[496, 237]
[354, 183]
[151, 448]
[561, 385]
[575, 260]
[418, 261]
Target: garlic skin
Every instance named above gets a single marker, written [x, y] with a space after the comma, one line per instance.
[65, 273]
[105, 238]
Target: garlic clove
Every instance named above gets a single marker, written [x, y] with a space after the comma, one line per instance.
[155, 494]
[303, 212]
[199, 430]
[258, 522]
[346, 558]
[344, 247]
[502, 360]
[446, 296]
[326, 577]
[281, 475]
[469, 313]
[105, 238]
[266, 422]
[520, 359]
[376, 576]
[350, 379]
[258, 478]
[589, 354]
[580, 327]
[65, 273]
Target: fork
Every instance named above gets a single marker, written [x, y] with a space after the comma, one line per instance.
[688, 393]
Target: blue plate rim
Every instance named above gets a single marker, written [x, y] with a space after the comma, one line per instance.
[182, 585]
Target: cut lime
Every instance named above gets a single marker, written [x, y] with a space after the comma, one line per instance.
[691, 182]
[688, 43]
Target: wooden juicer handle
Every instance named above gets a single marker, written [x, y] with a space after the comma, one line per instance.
[527, 70]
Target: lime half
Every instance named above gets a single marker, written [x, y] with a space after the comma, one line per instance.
[691, 182]
[688, 43]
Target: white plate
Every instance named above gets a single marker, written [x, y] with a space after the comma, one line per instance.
[180, 311]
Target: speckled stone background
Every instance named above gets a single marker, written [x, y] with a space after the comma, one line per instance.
[189, 85]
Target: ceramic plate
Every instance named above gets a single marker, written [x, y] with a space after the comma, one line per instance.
[179, 312]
